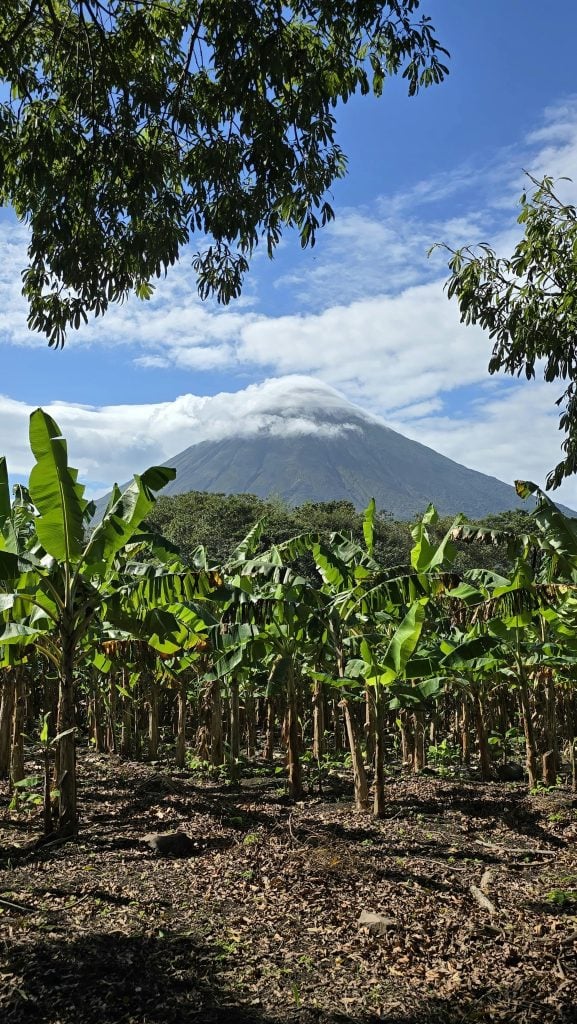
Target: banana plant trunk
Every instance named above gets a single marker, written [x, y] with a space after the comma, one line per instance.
[216, 740]
[419, 757]
[95, 708]
[370, 726]
[481, 730]
[6, 714]
[318, 721]
[126, 726]
[234, 719]
[250, 721]
[65, 771]
[407, 738]
[268, 752]
[153, 721]
[295, 780]
[551, 756]
[180, 752]
[111, 729]
[17, 753]
[465, 736]
[337, 727]
[359, 774]
[530, 746]
[379, 802]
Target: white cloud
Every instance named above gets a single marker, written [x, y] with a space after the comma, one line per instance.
[372, 321]
[388, 351]
[109, 443]
[510, 434]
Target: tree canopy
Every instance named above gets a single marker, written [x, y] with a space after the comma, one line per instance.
[218, 523]
[528, 303]
[129, 128]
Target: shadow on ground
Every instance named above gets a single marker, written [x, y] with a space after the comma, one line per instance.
[110, 978]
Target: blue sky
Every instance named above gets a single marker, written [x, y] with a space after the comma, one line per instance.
[364, 311]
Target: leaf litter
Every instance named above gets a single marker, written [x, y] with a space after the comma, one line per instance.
[274, 916]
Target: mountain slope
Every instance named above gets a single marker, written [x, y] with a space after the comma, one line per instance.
[298, 438]
[359, 460]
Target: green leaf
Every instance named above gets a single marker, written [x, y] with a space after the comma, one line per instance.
[406, 637]
[55, 492]
[369, 525]
[5, 507]
[17, 633]
[125, 514]
[426, 555]
[44, 729]
[61, 735]
[101, 662]
[248, 546]
[470, 650]
[9, 566]
[417, 695]
[556, 529]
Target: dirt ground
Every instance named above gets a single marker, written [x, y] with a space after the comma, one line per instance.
[477, 885]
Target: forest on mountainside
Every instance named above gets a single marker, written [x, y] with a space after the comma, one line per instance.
[218, 522]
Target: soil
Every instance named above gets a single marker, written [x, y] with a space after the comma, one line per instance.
[477, 883]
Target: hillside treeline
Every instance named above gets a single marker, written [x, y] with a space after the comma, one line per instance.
[218, 522]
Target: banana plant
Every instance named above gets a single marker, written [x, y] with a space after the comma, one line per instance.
[384, 619]
[73, 572]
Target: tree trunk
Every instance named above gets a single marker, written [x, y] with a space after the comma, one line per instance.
[295, 781]
[216, 744]
[126, 727]
[180, 752]
[551, 757]
[268, 752]
[484, 758]
[407, 739]
[318, 721]
[549, 768]
[530, 750]
[235, 720]
[419, 748]
[66, 744]
[250, 722]
[233, 705]
[379, 801]
[465, 736]
[153, 721]
[17, 752]
[338, 731]
[96, 715]
[359, 774]
[6, 715]
[370, 727]
[111, 731]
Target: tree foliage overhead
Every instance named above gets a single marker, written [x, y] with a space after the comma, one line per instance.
[528, 303]
[132, 127]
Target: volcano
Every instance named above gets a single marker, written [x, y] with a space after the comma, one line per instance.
[302, 441]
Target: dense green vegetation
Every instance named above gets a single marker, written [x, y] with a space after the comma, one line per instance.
[218, 522]
[526, 302]
[129, 129]
[306, 640]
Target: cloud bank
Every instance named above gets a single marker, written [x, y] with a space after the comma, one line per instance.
[373, 326]
[110, 443]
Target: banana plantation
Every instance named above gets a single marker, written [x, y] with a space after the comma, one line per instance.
[108, 639]
[302, 662]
